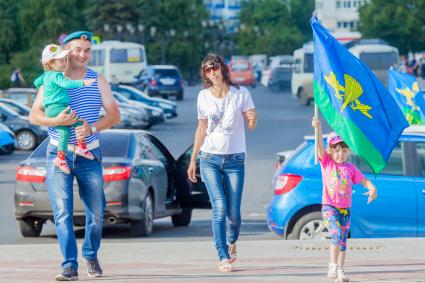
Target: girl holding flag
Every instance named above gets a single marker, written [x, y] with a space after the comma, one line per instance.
[338, 175]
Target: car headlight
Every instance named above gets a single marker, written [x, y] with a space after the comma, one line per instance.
[156, 113]
[44, 128]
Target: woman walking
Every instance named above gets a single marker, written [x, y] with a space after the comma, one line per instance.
[223, 110]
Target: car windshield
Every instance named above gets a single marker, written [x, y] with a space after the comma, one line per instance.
[97, 58]
[20, 109]
[135, 92]
[126, 55]
[308, 63]
[379, 60]
[111, 144]
[239, 66]
[167, 72]
[8, 110]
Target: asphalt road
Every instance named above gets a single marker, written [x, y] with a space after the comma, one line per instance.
[282, 124]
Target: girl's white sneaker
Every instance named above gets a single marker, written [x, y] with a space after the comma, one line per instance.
[333, 271]
[341, 276]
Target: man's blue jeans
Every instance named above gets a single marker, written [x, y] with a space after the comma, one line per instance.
[60, 187]
[223, 176]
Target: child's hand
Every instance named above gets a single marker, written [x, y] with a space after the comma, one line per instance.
[88, 82]
[372, 193]
[315, 123]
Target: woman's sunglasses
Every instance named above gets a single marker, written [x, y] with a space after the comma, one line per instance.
[213, 67]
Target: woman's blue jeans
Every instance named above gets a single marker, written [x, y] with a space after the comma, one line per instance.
[223, 176]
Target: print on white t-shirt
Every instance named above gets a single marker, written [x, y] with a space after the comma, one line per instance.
[226, 127]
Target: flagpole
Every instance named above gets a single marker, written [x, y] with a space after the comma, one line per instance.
[316, 135]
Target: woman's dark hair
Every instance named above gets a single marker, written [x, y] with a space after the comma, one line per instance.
[214, 58]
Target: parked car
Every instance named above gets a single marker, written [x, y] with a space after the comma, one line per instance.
[7, 140]
[20, 108]
[28, 136]
[280, 77]
[242, 73]
[399, 210]
[275, 62]
[155, 114]
[132, 93]
[142, 182]
[131, 117]
[23, 95]
[161, 80]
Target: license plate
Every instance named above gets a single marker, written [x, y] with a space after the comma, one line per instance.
[167, 81]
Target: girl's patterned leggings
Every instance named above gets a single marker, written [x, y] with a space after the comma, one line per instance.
[337, 221]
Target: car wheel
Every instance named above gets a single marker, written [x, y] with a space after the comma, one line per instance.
[144, 227]
[30, 227]
[303, 97]
[310, 227]
[26, 140]
[179, 96]
[182, 219]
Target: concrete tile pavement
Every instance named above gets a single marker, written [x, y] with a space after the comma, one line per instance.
[368, 260]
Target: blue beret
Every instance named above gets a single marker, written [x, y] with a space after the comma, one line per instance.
[77, 35]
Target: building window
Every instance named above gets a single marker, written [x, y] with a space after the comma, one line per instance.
[338, 4]
[339, 25]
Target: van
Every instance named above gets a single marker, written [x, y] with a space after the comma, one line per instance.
[378, 57]
[302, 74]
[118, 61]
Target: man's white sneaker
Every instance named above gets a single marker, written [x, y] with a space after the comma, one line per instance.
[333, 271]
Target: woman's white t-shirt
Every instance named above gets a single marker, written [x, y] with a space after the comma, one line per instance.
[226, 127]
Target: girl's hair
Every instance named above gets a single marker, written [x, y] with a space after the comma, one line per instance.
[338, 145]
[47, 66]
[214, 58]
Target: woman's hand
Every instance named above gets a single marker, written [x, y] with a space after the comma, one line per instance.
[251, 117]
[191, 171]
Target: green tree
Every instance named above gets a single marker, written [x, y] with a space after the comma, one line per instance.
[8, 27]
[267, 26]
[110, 14]
[401, 23]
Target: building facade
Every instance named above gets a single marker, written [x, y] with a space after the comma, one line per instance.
[340, 17]
[226, 12]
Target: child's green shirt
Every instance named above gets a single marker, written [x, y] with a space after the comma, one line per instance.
[55, 87]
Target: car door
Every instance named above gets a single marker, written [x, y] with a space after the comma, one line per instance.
[420, 186]
[191, 194]
[393, 213]
[155, 170]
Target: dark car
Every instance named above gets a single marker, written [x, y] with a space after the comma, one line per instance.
[23, 95]
[28, 136]
[280, 77]
[142, 182]
[161, 80]
[155, 115]
[132, 93]
[7, 140]
[399, 210]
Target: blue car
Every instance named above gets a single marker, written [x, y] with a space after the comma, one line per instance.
[169, 107]
[161, 80]
[7, 140]
[399, 211]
